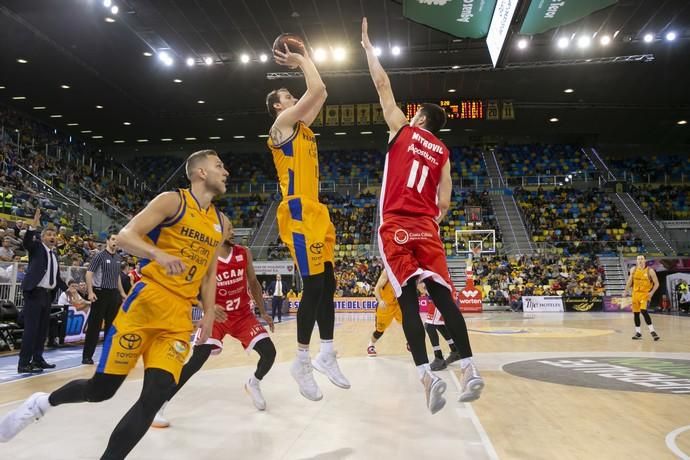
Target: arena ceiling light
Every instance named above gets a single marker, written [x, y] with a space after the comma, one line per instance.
[263, 57]
[239, 136]
[444, 130]
[244, 58]
[670, 36]
[147, 54]
[96, 137]
[366, 132]
[563, 43]
[165, 58]
[320, 55]
[72, 124]
[19, 98]
[64, 86]
[339, 54]
[396, 51]
[109, 20]
[522, 43]
[682, 122]
[166, 139]
[605, 40]
[263, 136]
[142, 140]
[584, 41]
[568, 90]
[114, 10]
[219, 119]
[40, 107]
[22, 61]
[455, 67]
[452, 90]
[119, 141]
[553, 120]
[86, 131]
[340, 134]
[107, 3]
[57, 115]
[377, 51]
[126, 123]
[648, 38]
[177, 80]
[208, 60]
[190, 61]
[190, 138]
[99, 106]
[201, 101]
[2, 87]
[214, 138]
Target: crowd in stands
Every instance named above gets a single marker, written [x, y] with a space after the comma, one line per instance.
[504, 280]
[278, 251]
[353, 218]
[665, 202]
[651, 168]
[356, 276]
[539, 160]
[576, 221]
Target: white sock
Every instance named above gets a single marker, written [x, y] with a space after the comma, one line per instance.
[253, 379]
[327, 346]
[464, 362]
[651, 327]
[303, 353]
[423, 369]
[450, 341]
[371, 343]
[638, 330]
[438, 348]
[43, 403]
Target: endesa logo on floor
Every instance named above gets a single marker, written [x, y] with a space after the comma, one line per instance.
[469, 300]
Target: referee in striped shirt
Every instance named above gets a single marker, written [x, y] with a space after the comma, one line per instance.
[105, 292]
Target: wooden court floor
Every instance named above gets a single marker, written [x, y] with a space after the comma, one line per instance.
[559, 386]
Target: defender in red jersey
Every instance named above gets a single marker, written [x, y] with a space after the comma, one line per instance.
[415, 196]
[235, 281]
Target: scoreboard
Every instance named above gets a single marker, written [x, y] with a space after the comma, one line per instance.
[455, 109]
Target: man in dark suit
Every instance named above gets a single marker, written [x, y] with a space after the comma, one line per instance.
[277, 291]
[40, 282]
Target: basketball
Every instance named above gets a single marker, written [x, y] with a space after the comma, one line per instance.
[294, 43]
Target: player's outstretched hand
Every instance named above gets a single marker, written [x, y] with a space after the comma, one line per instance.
[287, 58]
[221, 316]
[266, 317]
[173, 265]
[206, 326]
[366, 43]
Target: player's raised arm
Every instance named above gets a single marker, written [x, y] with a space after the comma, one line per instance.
[131, 239]
[309, 105]
[395, 118]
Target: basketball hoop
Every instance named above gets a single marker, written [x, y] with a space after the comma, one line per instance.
[475, 251]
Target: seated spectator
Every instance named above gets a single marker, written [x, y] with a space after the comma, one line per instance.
[6, 251]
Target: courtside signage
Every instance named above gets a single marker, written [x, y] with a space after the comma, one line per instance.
[542, 304]
[498, 30]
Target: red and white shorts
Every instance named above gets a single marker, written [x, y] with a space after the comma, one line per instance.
[411, 246]
[433, 316]
[245, 328]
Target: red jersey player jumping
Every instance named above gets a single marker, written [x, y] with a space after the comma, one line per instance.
[235, 280]
[415, 196]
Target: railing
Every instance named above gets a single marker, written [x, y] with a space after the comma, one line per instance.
[548, 180]
[658, 177]
[109, 206]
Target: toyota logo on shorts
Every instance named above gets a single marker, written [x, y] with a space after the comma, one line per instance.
[401, 236]
[130, 341]
[316, 248]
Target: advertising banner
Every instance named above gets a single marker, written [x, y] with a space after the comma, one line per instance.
[461, 18]
[76, 325]
[470, 300]
[616, 304]
[500, 23]
[534, 304]
[544, 15]
[274, 267]
[343, 304]
[583, 304]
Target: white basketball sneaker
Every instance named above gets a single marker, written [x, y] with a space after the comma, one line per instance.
[326, 363]
[159, 420]
[303, 373]
[471, 384]
[28, 412]
[434, 387]
[253, 389]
